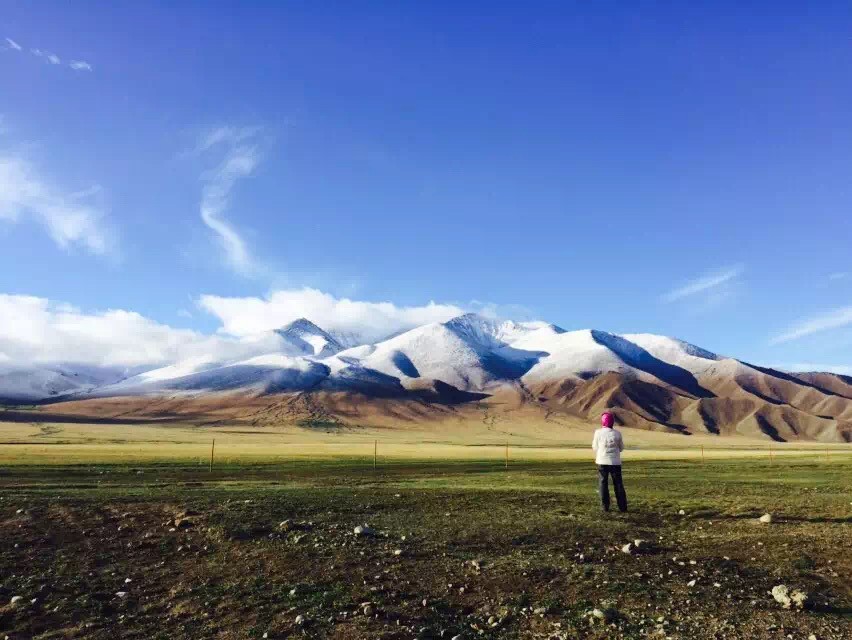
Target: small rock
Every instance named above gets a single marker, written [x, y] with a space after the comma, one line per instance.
[598, 614]
[364, 530]
[15, 600]
[766, 518]
[681, 512]
[120, 594]
[301, 620]
[691, 583]
[628, 548]
[638, 543]
[796, 599]
[812, 637]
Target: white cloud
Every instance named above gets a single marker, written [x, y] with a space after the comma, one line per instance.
[839, 275]
[70, 218]
[51, 58]
[818, 323]
[842, 369]
[713, 286]
[35, 330]
[240, 159]
[368, 320]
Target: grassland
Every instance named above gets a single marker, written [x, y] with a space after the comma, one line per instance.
[463, 546]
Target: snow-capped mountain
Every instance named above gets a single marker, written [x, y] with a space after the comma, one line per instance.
[650, 381]
[302, 337]
[31, 383]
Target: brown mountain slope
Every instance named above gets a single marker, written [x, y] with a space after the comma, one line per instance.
[742, 400]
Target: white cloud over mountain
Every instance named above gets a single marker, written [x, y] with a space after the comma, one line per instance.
[38, 330]
[370, 320]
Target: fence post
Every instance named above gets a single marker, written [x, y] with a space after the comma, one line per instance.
[212, 449]
[702, 454]
[507, 454]
[375, 454]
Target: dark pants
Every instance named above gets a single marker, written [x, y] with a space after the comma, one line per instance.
[604, 472]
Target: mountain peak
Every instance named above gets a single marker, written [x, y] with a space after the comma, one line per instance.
[303, 337]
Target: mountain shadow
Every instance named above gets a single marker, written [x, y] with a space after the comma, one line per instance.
[637, 357]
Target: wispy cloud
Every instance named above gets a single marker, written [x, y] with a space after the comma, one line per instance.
[241, 157]
[713, 285]
[825, 321]
[47, 56]
[842, 369]
[71, 218]
[838, 275]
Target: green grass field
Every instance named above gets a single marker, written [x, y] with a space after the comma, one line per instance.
[482, 551]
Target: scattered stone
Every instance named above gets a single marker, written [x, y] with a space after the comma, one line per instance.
[15, 600]
[397, 552]
[681, 512]
[598, 614]
[120, 594]
[766, 518]
[812, 637]
[796, 599]
[628, 548]
[638, 543]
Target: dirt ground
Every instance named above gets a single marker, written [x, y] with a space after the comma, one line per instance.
[454, 550]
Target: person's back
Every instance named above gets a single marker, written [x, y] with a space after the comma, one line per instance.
[608, 444]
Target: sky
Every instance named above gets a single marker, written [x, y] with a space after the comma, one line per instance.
[178, 177]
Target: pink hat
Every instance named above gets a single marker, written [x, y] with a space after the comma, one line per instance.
[607, 419]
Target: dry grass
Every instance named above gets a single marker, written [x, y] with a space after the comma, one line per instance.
[71, 443]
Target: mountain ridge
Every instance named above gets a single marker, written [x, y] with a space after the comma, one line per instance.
[649, 381]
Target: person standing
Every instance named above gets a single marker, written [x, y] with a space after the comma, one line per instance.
[608, 445]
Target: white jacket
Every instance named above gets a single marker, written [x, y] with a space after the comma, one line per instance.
[607, 445]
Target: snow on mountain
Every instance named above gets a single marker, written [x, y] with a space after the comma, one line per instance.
[674, 351]
[570, 354]
[33, 383]
[470, 352]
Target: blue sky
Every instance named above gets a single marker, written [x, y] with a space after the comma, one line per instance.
[661, 168]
